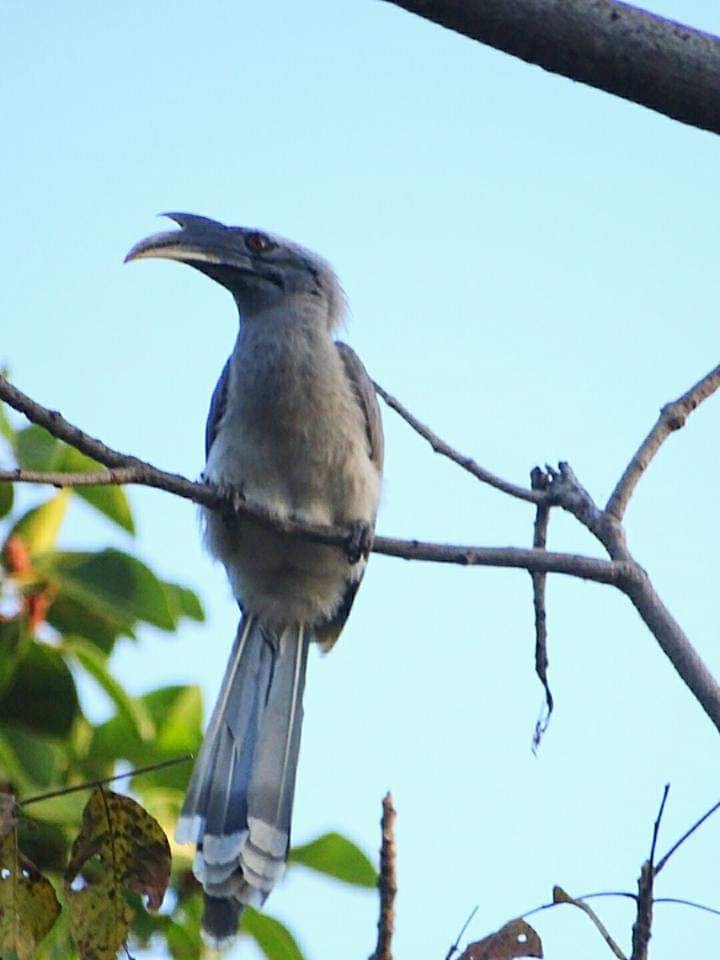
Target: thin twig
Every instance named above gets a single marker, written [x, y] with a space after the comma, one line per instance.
[456, 946]
[540, 481]
[560, 896]
[689, 903]
[642, 928]
[586, 896]
[656, 826]
[672, 417]
[685, 836]
[62, 791]
[387, 882]
[467, 463]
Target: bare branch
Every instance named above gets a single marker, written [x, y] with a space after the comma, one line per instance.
[99, 478]
[622, 571]
[642, 928]
[454, 947]
[672, 417]
[566, 491]
[467, 463]
[658, 63]
[387, 883]
[674, 643]
[129, 469]
[656, 827]
[686, 836]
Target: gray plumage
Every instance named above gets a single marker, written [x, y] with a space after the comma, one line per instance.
[294, 425]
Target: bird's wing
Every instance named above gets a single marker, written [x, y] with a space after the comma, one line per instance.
[217, 408]
[364, 391]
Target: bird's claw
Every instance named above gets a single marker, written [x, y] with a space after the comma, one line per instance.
[359, 541]
[234, 498]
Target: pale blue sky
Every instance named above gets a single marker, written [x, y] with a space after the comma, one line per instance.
[532, 268]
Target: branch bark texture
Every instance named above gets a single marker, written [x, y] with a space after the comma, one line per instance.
[387, 882]
[639, 56]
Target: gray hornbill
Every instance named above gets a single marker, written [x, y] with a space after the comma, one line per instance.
[294, 425]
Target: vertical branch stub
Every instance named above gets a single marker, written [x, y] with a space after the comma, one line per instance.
[387, 882]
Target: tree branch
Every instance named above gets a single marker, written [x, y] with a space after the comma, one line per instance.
[672, 417]
[564, 490]
[128, 469]
[634, 54]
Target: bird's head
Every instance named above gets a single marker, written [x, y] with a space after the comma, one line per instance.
[261, 270]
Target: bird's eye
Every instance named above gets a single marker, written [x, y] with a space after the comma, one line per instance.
[259, 243]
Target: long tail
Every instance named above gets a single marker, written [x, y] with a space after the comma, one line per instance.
[239, 803]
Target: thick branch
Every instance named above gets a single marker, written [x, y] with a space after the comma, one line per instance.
[675, 644]
[658, 63]
[672, 417]
[568, 493]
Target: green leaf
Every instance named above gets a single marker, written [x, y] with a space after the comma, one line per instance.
[272, 937]
[36, 449]
[11, 770]
[176, 713]
[95, 663]
[73, 615]
[116, 584]
[6, 498]
[42, 695]
[13, 642]
[41, 759]
[110, 500]
[40, 526]
[44, 843]
[184, 602]
[336, 856]
[6, 428]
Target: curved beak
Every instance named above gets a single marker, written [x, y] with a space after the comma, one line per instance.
[199, 241]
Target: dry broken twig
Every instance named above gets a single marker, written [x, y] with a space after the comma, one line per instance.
[540, 481]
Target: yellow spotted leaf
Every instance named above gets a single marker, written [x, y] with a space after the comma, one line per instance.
[120, 847]
[28, 905]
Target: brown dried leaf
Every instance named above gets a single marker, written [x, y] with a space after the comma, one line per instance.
[8, 813]
[120, 846]
[515, 939]
[28, 905]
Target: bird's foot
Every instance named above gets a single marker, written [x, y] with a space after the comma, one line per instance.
[359, 541]
[233, 497]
